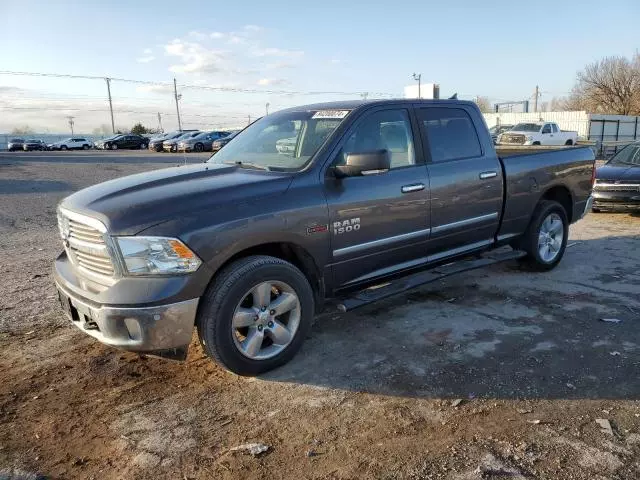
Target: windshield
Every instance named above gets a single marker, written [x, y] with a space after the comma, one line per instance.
[281, 141]
[526, 127]
[629, 155]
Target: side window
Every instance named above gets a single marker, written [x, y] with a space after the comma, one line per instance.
[554, 127]
[546, 128]
[387, 129]
[450, 133]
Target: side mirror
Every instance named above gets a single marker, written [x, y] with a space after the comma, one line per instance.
[365, 163]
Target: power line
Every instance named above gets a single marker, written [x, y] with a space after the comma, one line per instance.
[195, 87]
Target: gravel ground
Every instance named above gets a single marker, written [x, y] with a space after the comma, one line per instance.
[496, 373]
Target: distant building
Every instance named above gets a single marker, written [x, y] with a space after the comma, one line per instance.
[429, 91]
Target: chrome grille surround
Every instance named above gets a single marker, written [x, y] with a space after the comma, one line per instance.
[87, 245]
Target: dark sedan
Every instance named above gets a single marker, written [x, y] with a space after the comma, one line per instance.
[34, 144]
[126, 141]
[617, 185]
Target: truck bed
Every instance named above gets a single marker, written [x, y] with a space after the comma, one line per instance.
[504, 151]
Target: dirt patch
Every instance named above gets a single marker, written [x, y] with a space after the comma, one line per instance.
[498, 373]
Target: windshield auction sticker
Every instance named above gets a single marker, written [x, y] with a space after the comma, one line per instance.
[331, 114]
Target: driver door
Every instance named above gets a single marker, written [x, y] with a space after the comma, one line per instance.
[379, 223]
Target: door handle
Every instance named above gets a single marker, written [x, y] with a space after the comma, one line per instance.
[414, 187]
[487, 175]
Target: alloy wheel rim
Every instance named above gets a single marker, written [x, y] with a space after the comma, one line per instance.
[266, 320]
[550, 237]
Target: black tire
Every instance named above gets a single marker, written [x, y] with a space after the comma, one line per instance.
[113, 146]
[225, 292]
[529, 241]
[198, 147]
[143, 146]
[63, 147]
[85, 147]
[595, 210]
[535, 143]
[569, 142]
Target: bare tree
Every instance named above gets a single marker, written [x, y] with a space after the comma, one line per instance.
[483, 104]
[24, 130]
[611, 85]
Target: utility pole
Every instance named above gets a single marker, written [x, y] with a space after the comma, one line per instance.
[177, 97]
[267, 108]
[418, 77]
[71, 122]
[535, 99]
[113, 125]
[160, 122]
[364, 95]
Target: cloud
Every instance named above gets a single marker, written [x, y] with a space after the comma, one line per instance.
[253, 28]
[236, 40]
[279, 65]
[277, 52]
[147, 51]
[198, 35]
[160, 88]
[264, 82]
[196, 58]
[147, 59]
[335, 61]
[217, 35]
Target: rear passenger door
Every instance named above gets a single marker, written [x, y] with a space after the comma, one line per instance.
[465, 179]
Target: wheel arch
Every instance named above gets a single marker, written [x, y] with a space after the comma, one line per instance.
[562, 195]
[289, 252]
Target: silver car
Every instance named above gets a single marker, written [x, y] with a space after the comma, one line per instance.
[201, 142]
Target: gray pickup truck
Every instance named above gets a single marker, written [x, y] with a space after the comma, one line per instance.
[304, 208]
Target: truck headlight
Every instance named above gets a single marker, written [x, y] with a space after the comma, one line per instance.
[156, 255]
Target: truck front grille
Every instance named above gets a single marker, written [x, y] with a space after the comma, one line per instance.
[512, 139]
[85, 244]
[617, 187]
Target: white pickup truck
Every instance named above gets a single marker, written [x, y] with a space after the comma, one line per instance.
[537, 133]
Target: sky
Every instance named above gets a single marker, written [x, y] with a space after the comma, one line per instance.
[232, 58]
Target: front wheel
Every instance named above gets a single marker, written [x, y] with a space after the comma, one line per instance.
[63, 147]
[545, 239]
[255, 315]
[144, 146]
[85, 147]
[114, 147]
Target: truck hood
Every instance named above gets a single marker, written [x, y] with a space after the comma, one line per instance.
[618, 172]
[131, 204]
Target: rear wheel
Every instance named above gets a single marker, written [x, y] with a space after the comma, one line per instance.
[255, 315]
[545, 239]
[569, 142]
[63, 147]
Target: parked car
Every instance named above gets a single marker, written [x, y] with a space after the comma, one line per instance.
[171, 144]
[201, 142]
[15, 144]
[73, 143]
[155, 143]
[617, 184]
[497, 130]
[218, 144]
[127, 141]
[537, 133]
[248, 246]
[34, 144]
[99, 144]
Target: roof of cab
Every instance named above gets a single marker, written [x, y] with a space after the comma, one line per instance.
[356, 104]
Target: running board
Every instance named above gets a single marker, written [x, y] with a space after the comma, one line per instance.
[388, 289]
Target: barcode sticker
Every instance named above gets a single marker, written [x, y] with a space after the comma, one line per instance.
[330, 114]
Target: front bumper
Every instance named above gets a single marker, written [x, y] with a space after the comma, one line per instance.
[616, 200]
[169, 148]
[163, 330]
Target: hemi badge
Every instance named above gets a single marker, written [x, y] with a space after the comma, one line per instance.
[317, 229]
